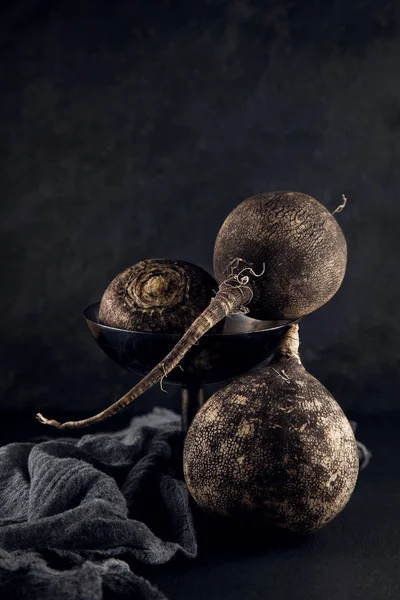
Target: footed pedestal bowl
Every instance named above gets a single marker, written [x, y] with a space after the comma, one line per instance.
[243, 344]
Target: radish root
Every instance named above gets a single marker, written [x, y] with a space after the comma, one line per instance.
[290, 343]
[341, 206]
[232, 295]
[162, 379]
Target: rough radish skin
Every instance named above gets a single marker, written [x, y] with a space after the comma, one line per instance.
[297, 245]
[157, 295]
[275, 445]
[301, 253]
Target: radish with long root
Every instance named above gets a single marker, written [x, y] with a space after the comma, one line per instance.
[157, 295]
[273, 445]
[279, 255]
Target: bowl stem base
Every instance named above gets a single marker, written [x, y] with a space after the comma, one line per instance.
[192, 399]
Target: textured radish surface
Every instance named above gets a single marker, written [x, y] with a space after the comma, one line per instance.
[274, 442]
[295, 242]
[278, 255]
[158, 295]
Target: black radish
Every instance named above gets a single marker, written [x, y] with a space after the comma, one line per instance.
[296, 246]
[274, 445]
[157, 295]
[280, 255]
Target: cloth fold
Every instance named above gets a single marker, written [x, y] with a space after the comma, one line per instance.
[78, 516]
[93, 503]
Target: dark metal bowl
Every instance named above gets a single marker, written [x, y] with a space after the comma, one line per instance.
[243, 344]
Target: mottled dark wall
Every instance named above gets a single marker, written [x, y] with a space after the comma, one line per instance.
[131, 129]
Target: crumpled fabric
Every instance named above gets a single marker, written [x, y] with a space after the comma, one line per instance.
[76, 514]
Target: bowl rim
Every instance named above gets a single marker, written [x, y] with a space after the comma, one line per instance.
[286, 323]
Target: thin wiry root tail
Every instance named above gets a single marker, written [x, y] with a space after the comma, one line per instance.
[341, 206]
[229, 299]
[52, 422]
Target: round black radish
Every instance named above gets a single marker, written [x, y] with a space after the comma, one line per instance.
[157, 295]
[296, 245]
[277, 256]
[273, 445]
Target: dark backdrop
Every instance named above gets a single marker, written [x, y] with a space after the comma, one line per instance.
[130, 129]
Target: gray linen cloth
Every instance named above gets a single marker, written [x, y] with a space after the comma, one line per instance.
[74, 511]
[77, 515]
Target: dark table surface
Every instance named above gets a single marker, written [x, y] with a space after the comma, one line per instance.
[356, 556]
